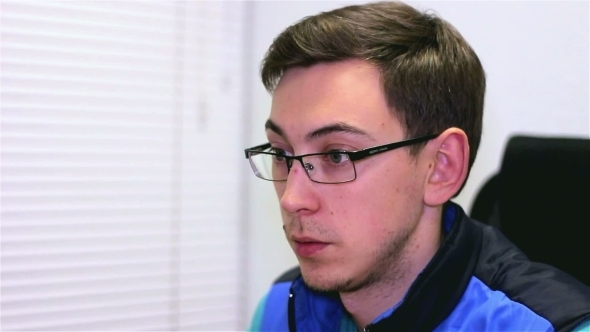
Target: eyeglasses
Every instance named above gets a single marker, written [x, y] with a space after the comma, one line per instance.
[330, 167]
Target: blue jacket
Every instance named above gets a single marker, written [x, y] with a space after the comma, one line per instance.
[477, 281]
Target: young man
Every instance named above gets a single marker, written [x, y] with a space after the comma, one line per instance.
[375, 123]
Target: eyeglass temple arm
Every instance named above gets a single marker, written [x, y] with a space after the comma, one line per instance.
[388, 147]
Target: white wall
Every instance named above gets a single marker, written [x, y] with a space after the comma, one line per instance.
[536, 58]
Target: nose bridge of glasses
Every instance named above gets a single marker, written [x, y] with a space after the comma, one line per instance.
[302, 160]
[290, 163]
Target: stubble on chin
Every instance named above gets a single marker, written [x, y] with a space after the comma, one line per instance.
[388, 265]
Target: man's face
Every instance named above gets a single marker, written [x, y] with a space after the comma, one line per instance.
[350, 235]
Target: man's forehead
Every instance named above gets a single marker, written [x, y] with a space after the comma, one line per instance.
[321, 130]
[331, 98]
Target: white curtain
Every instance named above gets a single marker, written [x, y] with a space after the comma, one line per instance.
[121, 163]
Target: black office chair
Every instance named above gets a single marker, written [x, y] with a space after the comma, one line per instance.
[540, 200]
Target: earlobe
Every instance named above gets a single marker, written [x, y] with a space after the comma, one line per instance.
[450, 162]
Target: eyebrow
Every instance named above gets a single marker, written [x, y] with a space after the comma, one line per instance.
[274, 127]
[338, 127]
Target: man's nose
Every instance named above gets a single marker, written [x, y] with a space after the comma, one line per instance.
[299, 195]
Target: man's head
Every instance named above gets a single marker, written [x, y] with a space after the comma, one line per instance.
[352, 79]
[431, 77]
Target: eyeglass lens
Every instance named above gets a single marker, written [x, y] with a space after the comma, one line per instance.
[325, 168]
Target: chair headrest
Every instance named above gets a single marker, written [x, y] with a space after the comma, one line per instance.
[544, 200]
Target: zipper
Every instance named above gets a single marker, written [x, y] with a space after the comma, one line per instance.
[291, 309]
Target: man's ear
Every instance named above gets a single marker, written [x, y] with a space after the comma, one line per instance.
[449, 157]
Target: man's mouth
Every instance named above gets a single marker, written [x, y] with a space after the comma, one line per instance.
[307, 247]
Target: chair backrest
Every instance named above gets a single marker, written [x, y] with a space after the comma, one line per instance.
[540, 200]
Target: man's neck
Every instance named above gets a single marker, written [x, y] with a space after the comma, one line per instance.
[368, 303]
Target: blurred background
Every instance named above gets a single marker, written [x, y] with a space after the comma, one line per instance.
[126, 200]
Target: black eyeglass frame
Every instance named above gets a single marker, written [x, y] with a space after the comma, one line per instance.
[352, 155]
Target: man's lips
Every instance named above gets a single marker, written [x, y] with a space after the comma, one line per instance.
[306, 246]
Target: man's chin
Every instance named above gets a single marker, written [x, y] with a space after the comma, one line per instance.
[325, 282]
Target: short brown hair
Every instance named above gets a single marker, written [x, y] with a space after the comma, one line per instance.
[432, 78]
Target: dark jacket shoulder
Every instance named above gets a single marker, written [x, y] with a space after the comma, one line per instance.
[544, 289]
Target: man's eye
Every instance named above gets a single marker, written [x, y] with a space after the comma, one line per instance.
[279, 153]
[338, 157]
